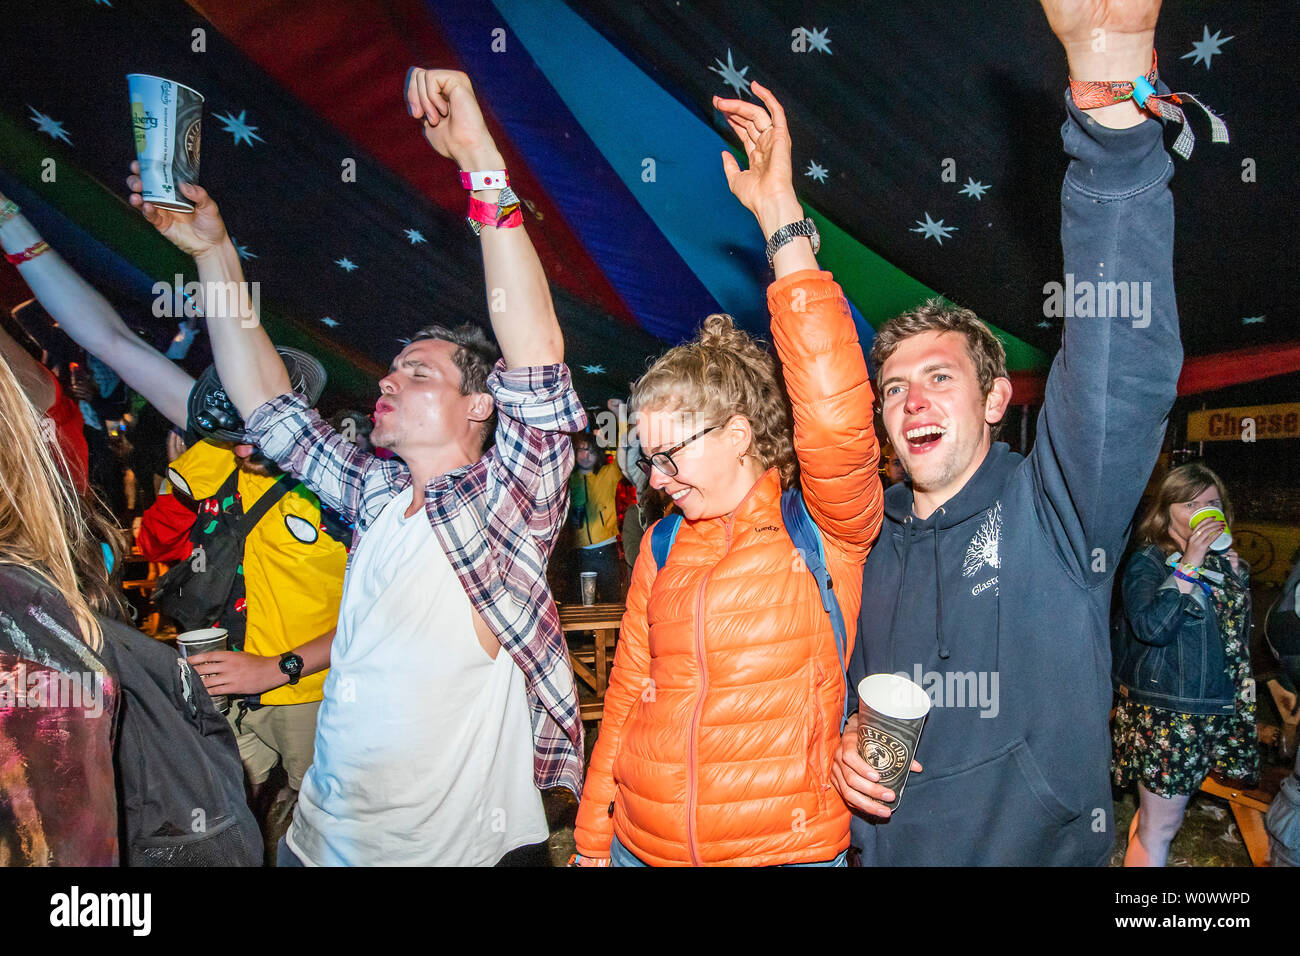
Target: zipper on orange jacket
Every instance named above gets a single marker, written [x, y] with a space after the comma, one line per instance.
[691, 766]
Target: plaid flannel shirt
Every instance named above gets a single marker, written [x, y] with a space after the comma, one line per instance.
[497, 520]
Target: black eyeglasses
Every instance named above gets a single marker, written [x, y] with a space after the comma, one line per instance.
[663, 460]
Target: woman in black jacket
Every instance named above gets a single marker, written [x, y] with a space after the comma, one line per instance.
[1181, 662]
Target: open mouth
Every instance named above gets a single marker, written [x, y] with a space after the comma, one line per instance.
[679, 495]
[922, 438]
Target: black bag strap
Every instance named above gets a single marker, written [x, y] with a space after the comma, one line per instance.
[263, 505]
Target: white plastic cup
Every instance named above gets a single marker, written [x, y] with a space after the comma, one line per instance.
[201, 642]
[891, 715]
[166, 118]
[1224, 541]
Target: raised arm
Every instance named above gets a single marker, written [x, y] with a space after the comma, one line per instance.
[519, 299]
[824, 368]
[249, 367]
[1114, 380]
[91, 322]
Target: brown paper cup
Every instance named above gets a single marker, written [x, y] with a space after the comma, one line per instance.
[892, 712]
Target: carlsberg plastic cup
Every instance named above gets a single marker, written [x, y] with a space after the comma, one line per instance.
[166, 119]
[1224, 541]
[891, 713]
[200, 642]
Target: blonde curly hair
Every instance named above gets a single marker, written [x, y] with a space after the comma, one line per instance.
[720, 373]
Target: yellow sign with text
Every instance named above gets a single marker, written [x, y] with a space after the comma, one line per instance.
[1246, 423]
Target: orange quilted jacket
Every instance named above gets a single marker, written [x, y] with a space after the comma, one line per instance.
[724, 700]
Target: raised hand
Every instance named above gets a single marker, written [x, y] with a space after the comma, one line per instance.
[766, 188]
[194, 233]
[1107, 40]
[453, 123]
[1075, 22]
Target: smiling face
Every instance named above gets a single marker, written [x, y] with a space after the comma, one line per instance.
[421, 407]
[711, 479]
[936, 415]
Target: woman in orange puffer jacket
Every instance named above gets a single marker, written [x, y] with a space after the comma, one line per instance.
[725, 699]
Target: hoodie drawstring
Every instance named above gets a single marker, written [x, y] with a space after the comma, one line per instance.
[938, 597]
[944, 653]
[902, 579]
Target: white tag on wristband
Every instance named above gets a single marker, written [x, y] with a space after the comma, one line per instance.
[484, 179]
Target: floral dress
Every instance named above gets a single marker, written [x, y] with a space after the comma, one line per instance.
[1170, 753]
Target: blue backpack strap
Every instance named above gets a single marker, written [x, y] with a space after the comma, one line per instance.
[662, 537]
[807, 538]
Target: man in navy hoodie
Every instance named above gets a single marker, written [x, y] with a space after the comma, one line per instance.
[990, 584]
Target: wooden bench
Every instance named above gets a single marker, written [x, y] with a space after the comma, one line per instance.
[1249, 807]
[591, 661]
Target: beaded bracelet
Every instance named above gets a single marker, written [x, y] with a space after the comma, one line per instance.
[8, 209]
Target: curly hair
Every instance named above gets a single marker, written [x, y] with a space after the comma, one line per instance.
[720, 373]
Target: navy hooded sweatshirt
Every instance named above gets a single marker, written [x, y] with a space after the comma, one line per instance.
[998, 603]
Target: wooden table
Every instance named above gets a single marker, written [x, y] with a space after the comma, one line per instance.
[591, 663]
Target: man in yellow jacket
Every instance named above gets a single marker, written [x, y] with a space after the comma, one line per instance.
[282, 610]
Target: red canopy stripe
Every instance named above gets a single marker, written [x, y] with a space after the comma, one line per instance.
[310, 49]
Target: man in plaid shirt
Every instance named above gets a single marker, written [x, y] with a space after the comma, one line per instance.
[431, 746]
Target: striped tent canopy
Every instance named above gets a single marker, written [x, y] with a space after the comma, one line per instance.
[926, 148]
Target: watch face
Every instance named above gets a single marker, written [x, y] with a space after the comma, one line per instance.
[291, 665]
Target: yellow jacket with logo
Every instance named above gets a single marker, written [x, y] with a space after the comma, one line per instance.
[293, 571]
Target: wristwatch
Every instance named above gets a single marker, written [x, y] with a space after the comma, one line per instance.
[804, 227]
[291, 664]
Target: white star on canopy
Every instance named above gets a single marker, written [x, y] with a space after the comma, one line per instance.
[1206, 47]
[238, 126]
[933, 230]
[50, 127]
[731, 76]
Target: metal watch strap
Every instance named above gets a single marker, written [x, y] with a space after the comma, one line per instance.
[787, 233]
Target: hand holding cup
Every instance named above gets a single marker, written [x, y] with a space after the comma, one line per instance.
[857, 781]
[194, 233]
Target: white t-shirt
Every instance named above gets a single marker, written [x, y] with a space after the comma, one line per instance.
[424, 748]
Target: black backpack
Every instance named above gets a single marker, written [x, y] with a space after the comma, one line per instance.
[194, 596]
[180, 781]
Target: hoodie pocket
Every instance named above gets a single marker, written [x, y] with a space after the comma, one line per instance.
[996, 811]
